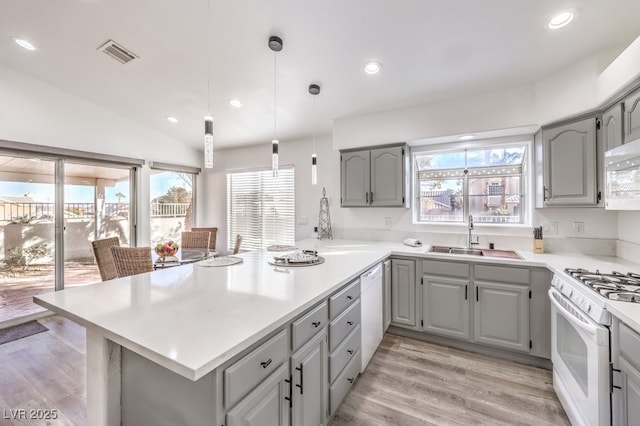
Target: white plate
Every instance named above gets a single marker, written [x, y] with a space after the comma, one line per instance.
[220, 261]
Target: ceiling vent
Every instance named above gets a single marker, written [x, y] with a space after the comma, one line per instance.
[117, 52]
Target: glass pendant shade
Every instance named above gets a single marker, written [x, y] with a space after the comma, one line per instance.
[274, 157]
[314, 170]
[208, 142]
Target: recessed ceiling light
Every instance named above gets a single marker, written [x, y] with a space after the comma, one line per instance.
[171, 119]
[466, 137]
[561, 19]
[24, 43]
[235, 103]
[372, 67]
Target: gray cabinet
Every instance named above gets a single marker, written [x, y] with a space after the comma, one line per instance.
[570, 164]
[403, 292]
[612, 129]
[630, 384]
[632, 116]
[265, 405]
[309, 367]
[445, 306]
[374, 177]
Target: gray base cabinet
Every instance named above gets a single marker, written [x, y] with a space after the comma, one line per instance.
[265, 405]
[310, 385]
[630, 384]
[403, 292]
[445, 306]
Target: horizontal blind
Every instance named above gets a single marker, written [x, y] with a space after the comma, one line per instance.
[261, 207]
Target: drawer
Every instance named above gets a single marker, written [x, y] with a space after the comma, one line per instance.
[630, 345]
[305, 327]
[339, 301]
[253, 368]
[343, 383]
[346, 322]
[448, 269]
[339, 358]
[502, 274]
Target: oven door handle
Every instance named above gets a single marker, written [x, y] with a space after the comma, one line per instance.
[589, 327]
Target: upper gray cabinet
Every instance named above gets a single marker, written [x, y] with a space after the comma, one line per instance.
[612, 130]
[569, 160]
[374, 177]
[632, 116]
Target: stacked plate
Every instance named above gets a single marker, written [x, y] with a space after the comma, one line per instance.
[298, 258]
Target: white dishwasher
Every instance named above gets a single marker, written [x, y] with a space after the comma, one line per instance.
[371, 312]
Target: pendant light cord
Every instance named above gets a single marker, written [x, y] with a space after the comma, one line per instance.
[209, 59]
[275, 94]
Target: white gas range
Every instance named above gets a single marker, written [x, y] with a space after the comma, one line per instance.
[583, 352]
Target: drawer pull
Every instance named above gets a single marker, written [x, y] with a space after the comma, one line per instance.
[290, 397]
[316, 324]
[349, 297]
[266, 363]
[350, 351]
[351, 379]
[301, 386]
[349, 322]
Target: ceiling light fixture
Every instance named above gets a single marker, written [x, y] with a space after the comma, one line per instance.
[208, 119]
[561, 19]
[235, 103]
[171, 119]
[314, 89]
[466, 137]
[275, 44]
[24, 43]
[372, 67]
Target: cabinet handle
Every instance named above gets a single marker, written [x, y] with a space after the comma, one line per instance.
[371, 197]
[349, 322]
[349, 297]
[290, 397]
[366, 196]
[476, 294]
[266, 363]
[300, 369]
[466, 289]
[350, 351]
[316, 324]
[544, 193]
[351, 379]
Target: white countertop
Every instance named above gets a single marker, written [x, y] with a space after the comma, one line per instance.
[191, 319]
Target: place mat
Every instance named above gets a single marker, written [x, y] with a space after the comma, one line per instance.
[278, 247]
[220, 261]
[19, 331]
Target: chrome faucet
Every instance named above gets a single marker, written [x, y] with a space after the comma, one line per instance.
[470, 242]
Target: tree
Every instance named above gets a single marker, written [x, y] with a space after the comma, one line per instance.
[120, 196]
[175, 194]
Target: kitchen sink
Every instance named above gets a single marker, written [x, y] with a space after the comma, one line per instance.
[474, 252]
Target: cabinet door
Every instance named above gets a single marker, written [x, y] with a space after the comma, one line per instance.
[612, 127]
[309, 370]
[403, 292]
[501, 315]
[570, 174]
[266, 404]
[632, 117]
[630, 392]
[354, 178]
[445, 306]
[387, 177]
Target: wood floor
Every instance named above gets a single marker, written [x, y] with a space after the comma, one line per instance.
[408, 382]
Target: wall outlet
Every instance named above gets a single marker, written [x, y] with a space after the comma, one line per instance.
[578, 228]
[550, 228]
[387, 223]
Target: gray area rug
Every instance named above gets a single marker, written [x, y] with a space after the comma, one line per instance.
[19, 331]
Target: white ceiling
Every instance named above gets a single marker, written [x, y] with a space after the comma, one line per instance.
[431, 50]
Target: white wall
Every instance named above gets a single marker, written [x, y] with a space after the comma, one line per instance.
[35, 112]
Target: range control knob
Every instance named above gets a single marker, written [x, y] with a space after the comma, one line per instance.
[587, 307]
[578, 300]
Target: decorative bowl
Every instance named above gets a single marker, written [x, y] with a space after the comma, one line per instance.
[166, 249]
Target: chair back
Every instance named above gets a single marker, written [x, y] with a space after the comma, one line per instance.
[132, 260]
[197, 240]
[236, 248]
[104, 258]
[212, 238]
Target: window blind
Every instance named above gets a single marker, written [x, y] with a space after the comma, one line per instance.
[261, 207]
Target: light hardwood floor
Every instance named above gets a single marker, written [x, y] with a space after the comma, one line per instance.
[408, 382]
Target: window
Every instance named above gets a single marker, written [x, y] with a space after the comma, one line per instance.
[487, 182]
[172, 202]
[261, 207]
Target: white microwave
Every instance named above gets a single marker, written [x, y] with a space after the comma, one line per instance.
[622, 177]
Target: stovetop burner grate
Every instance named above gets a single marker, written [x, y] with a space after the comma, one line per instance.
[614, 286]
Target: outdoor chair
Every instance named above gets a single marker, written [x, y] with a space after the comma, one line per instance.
[104, 258]
[132, 260]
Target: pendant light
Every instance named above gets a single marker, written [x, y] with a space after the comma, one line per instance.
[275, 44]
[314, 89]
[208, 119]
